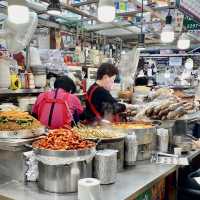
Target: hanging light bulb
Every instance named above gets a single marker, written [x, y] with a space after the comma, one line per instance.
[123, 52]
[18, 14]
[54, 7]
[183, 42]
[167, 74]
[167, 34]
[189, 64]
[106, 10]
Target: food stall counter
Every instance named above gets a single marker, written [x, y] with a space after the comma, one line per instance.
[130, 183]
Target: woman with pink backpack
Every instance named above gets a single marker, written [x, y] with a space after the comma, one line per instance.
[59, 107]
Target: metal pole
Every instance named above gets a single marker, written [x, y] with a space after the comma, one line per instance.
[27, 56]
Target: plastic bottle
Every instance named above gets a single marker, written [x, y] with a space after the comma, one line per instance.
[131, 149]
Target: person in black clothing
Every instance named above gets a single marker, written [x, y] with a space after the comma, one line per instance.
[100, 104]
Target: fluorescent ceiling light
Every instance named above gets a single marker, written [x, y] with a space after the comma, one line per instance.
[106, 10]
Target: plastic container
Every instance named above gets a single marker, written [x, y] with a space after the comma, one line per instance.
[105, 166]
[4, 73]
[131, 149]
[163, 140]
[40, 80]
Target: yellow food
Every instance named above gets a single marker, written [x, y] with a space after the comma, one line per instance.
[97, 133]
[132, 125]
[15, 115]
[16, 120]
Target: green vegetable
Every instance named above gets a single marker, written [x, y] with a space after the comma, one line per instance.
[3, 120]
[24, 122]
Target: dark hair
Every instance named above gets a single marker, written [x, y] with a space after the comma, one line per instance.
[106, 69]
[65, 83]
[141, 81]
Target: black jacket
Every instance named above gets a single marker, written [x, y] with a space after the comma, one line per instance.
[103, 102]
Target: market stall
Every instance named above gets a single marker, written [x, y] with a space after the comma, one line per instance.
[140, 59]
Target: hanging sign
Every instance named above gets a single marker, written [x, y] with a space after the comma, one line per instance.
[190, 24]
[190, 8]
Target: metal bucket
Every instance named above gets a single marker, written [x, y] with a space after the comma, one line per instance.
[116, 144]
[63, 178]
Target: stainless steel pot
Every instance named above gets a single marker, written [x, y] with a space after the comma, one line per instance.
[145, 139]
[63, 178]
[116, 144]
[59, 171]
[22, 134]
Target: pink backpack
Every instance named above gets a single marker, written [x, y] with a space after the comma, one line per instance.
[53, 110]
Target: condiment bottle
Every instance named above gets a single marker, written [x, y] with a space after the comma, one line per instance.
[131, 149]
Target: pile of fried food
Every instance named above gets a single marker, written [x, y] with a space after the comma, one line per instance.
[15, 120]
[97, 132]
[133, 125]
[165, 104]
[63, 139]
[168, 110]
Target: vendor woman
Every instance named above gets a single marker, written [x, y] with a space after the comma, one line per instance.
[99, 102]
[59, 107]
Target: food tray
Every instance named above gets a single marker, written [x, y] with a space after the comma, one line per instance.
[17, 142]
[22, 134]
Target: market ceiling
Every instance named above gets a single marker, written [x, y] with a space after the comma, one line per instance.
[127, 27]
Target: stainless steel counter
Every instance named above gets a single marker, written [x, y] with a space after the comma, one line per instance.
[129, 184]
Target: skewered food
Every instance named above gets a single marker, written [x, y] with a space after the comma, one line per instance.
[17, 120]
[63, 139]
[97, 133]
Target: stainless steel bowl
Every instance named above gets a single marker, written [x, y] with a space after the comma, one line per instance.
[63, 154]
[63, 178]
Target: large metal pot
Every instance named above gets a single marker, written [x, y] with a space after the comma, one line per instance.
[63, 178]
[59, 171]
[145, 139]
[22, 134]
[146, 142]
